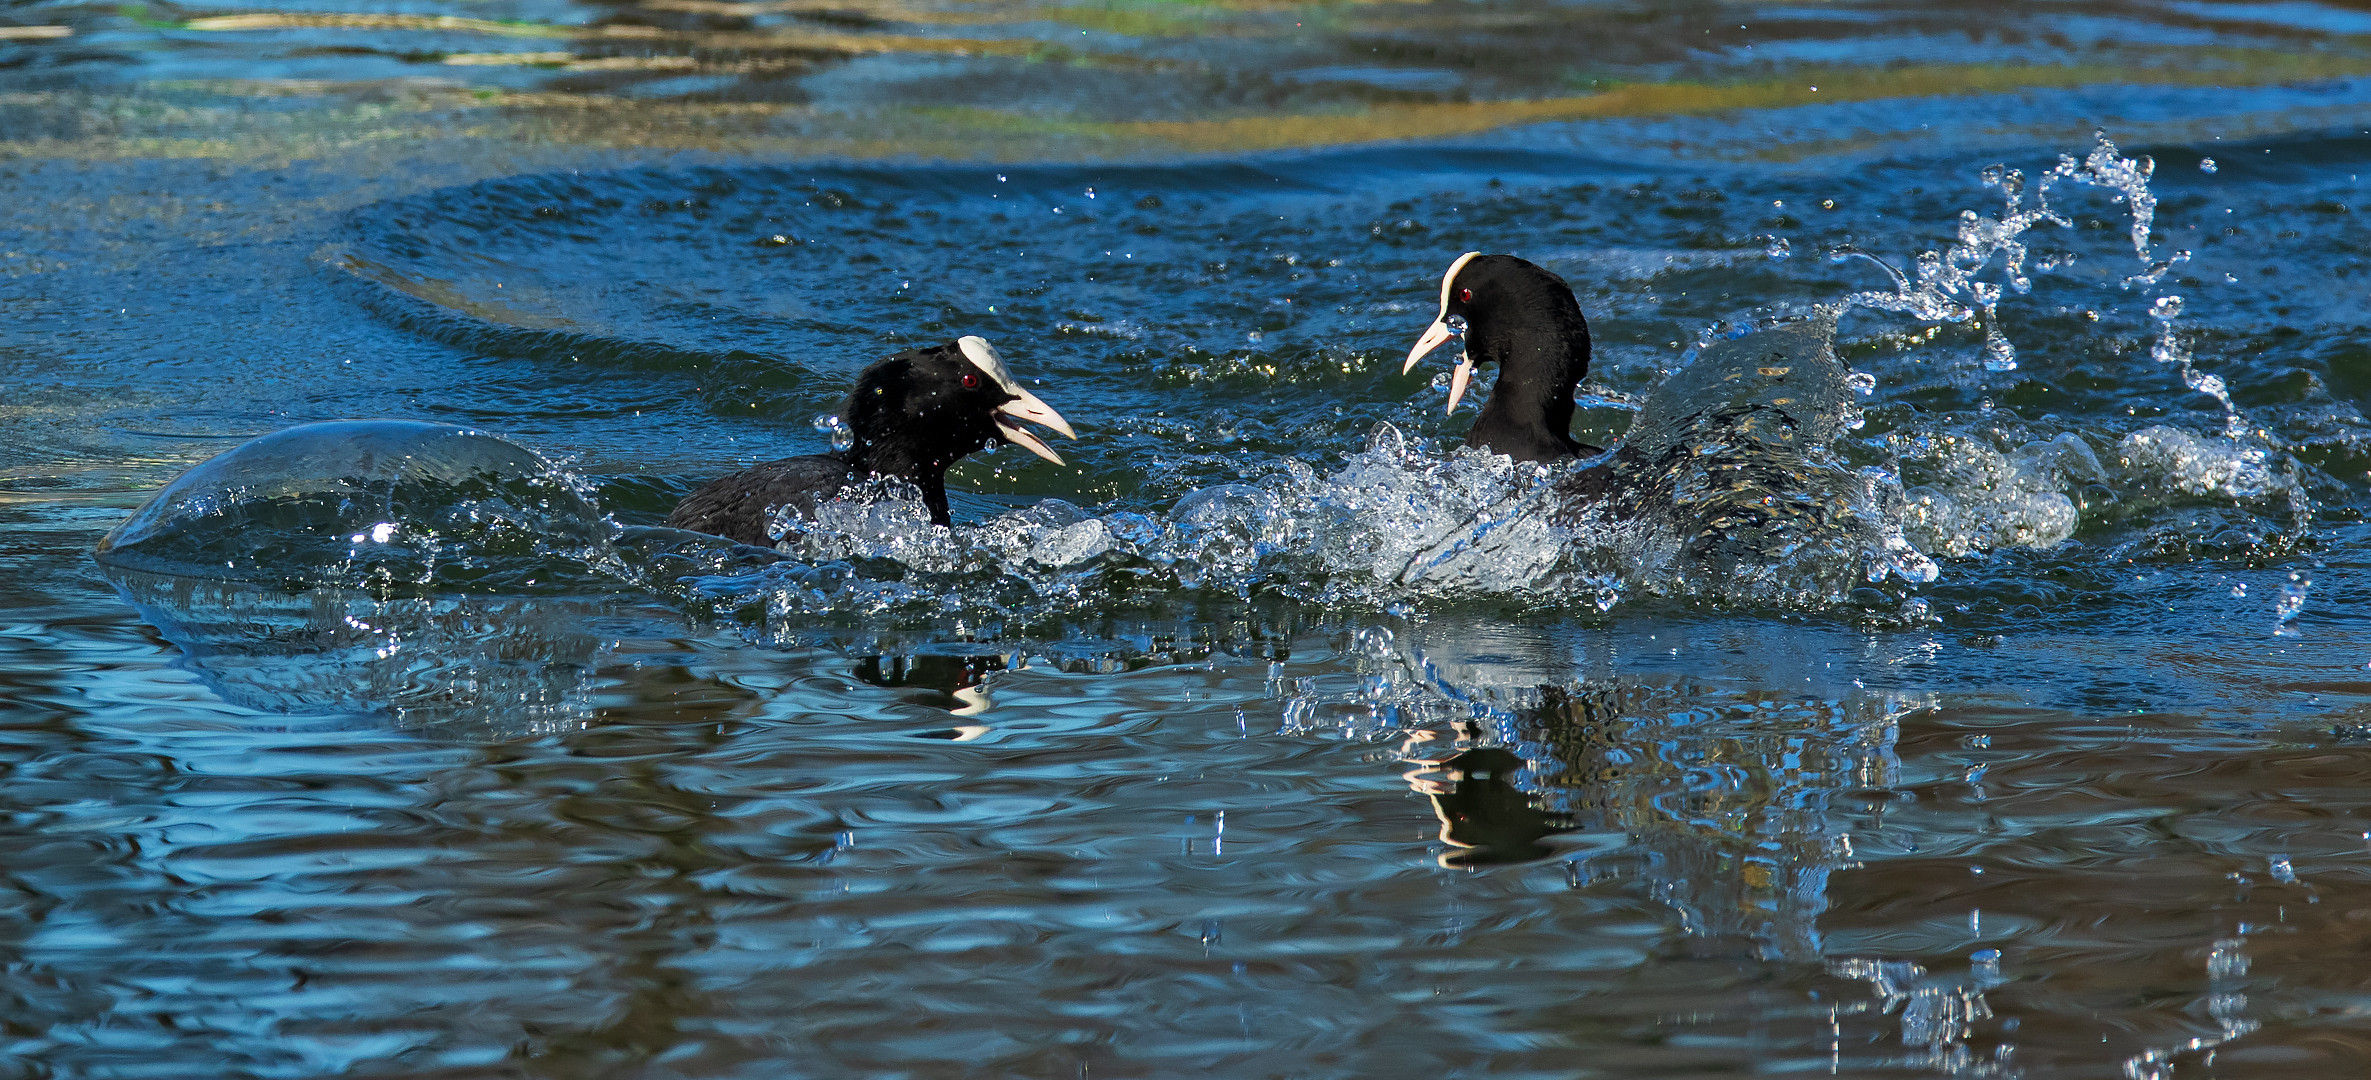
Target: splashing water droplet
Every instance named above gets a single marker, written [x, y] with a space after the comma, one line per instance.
[2166, 308]
[2206, 164]
[1779, 249]
[2292, 601]
[841, 437]
[1861, 382]
[1999, 354]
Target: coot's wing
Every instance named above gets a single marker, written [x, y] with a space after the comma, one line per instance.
[738, 507]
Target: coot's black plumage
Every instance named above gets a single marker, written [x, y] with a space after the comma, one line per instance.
[912, 415]
[1525, 320]
[1731, 457]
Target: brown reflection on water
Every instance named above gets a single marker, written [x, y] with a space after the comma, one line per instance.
[975, 81]
[1381, 123]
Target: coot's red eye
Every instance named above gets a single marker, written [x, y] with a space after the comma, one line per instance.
[971, 382]
[1465, 296]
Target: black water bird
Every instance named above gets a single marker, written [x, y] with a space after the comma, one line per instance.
[1730, 464]
[912, 415]
[1524, 319]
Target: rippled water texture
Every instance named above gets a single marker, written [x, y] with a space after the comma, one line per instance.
[2009, 722]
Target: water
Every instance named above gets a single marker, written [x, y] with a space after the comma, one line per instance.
[1270, 736]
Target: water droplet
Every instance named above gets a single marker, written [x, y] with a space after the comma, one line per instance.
[2166, 308]
[841, 437]
[2291, 602]
[2206, 165]
[1779, 248]
[1861, 382]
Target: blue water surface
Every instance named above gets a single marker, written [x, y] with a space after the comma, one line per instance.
[1167, 779]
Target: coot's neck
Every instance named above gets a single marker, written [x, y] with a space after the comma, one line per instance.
[1529, 414]
[909, 460]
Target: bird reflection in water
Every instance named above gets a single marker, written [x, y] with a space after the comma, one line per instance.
[1720, 802]
[958, 684]
[1485, 818]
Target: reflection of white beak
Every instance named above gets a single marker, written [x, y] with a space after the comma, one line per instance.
[1028, 407]
[975, 701]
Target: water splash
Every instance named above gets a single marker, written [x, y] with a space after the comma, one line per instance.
[2291, 603]
[1398, 526]
[2173, 348]
[1938, 1013]
[842, 437]
[2004, 483]
[2226, 1003]
[1952, 286]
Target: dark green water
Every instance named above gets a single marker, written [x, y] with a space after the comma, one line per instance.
[1190, 778]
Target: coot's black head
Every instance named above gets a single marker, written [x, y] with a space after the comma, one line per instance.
[1524, 319]
[917, 412]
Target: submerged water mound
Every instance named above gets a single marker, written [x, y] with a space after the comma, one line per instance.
[1729, 484]
[518, 664]
[358, 502]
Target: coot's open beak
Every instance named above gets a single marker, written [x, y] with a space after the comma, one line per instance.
[1028, 407]
[1439, 332]
[1460, 375]
[1024, 405]
[1434, 335]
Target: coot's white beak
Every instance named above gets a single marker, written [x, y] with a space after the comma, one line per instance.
[1434, 335]
[1439, 332]
[1027, 407]
[1024, 406]
[1460, 375]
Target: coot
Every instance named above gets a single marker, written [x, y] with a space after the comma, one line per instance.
[912, 415]
[1524, 319]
